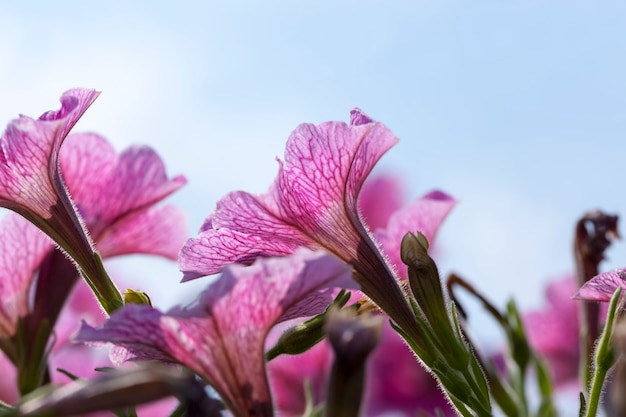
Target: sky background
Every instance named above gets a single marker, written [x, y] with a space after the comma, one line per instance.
[515, 108]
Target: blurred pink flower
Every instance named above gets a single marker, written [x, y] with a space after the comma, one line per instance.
[553, 331]
[288, 374]
[312, 203]
[380, 197]
[222, 337]
[395, 381]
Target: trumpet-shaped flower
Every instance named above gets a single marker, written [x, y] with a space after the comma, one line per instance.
[396, 382]
[222, 337]
[116, 196]
[30, 176]
[312, 203]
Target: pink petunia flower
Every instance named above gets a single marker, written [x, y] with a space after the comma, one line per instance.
[222, 337]
[312, 203]
[395, 381]
[116, 196]
[31, 182]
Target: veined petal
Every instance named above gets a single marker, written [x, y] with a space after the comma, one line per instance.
[29, 180]
[115, 194]
[31, 183]
[138, 180]
[602, 287]
[241, 229]
[358, 117]
[222, 337]
[22, 248]
[312, 203]
[325, 167]
[107, 186]
[87, 160]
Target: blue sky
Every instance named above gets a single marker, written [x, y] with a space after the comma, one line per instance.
[515, 108]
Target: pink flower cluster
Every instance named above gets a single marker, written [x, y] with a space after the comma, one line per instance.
[281, 256]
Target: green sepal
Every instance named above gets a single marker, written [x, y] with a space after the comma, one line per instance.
[442, 346]
[424, 278]
[302, 337]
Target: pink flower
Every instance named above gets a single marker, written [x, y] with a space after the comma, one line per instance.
[78, 359]
[553, 331]
[312, 203]
[395, 380]
[397, 383]
[116, 196]
[30, 176]
[222, 337]
[288, 374]
[602, 287]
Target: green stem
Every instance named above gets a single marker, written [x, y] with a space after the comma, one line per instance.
[106, 292]
[603, 357]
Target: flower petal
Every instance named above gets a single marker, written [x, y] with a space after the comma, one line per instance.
[424, 215]
[312, 203]
[358, 117]
[602, 287]
[156, 231]
[241, 229]
[106, 186]
[553, 331]
[138, 180]
[87, 160]
[222, 337]
[314, 198]
[29, 180]
[380, 197]
[22, 248]
[115, 196]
